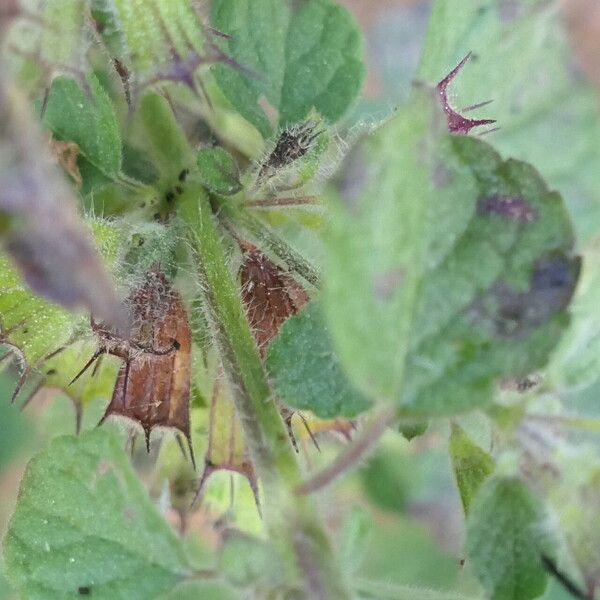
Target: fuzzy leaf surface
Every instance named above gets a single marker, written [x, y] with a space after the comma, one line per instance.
[218, 171]
[305, 369]
[505, 540]
[84, 521]
[447, 269]
[304, 58]
[86, 118]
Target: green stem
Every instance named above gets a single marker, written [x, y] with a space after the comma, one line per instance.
[291, 520]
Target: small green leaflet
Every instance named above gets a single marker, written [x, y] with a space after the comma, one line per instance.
[302, 59]
[84, 521]
[306, 372]
[471, 464]
[506, 538]
[87, 118]
[218, 171]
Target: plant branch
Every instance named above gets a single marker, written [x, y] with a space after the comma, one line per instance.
[385, 591]
[291, 521]
[276, 202]
[351, 455]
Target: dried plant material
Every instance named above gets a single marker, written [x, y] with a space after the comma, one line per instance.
[153, 384]
[458, 123]
[227, 449]
[292, 144]
[269, 294]
[59, 261]
[66, 154]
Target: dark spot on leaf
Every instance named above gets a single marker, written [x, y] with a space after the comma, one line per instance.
[511, 207]
[386, 285]
[441, 175]
[183, 175]
[508, 10]
[517, 314]
[170, 197]
[51, 372]
[84, 590]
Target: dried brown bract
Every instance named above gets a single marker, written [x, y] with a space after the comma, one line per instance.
[153, 385]
[293, 143]
[269, 294]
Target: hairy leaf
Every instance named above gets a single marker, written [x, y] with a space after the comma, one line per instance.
[304, 58]
[306, 372]
[149, 35]
[377, 248]
[505, 540]
[447, 265]
[86, 117]
[577, 503]
[218, 171]
[84, 522]
[471, 464]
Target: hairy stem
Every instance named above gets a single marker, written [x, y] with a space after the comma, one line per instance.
[349, 457]
[270, 240]
[291, 521]
[277, 202]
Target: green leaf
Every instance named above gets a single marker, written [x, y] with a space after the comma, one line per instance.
[305, 369]
[449, 267]
[34, 326]
[377, 247]
[502, 274]
[303, 59]
[505, 540]
[164, 139]
[246, 560]
[547, 112]
[86, 117]
[471, 464]
[218, 171]
[147, 34]
[206, 590]
[84, 521]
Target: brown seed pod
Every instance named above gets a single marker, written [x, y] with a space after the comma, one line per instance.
[292, 144]
[269, 294]
[153, 384]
